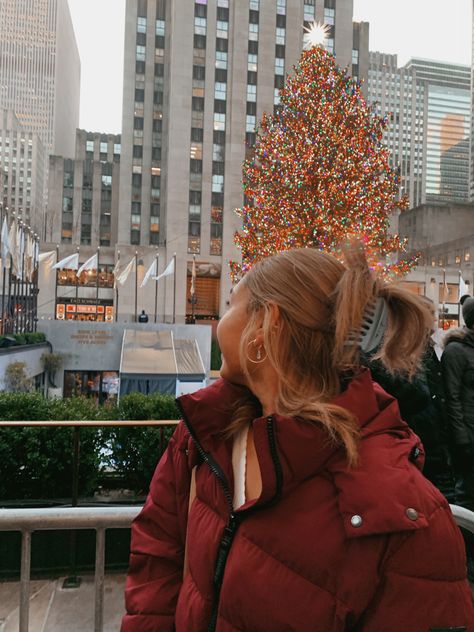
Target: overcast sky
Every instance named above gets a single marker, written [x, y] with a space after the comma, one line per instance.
[433, 29]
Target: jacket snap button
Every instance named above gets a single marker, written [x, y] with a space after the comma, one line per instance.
[411, 513]
[356, 521]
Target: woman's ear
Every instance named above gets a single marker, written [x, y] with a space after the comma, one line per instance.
[270, 321]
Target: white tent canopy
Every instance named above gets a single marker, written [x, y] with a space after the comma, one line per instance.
[154, 362]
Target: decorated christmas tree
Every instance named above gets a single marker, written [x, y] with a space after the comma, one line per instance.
[319, 172]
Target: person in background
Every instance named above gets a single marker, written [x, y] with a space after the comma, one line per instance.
[457, 364]
[290, 496]
[143, 318]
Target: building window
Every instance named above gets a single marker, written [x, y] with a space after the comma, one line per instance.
[222, 29]
[254, 5]
[220, 91]
[467, 255]
[141, 25]
[251, 93]
[281, 7]
[140, 54]
[253, 32]
[308, 12]
[221, 60]
[252, 62]
[198, 104]
[329, 16]
[279, 66]
[280, 36]
[217, 183]
[200, 26]
[160, 28]
[355, 56]
[90, 146]
[199, 73]
[250, 123]
[219, 121]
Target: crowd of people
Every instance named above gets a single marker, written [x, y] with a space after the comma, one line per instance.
[438, 404]
[291, 495]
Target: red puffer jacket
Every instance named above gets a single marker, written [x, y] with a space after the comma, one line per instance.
[324, 549]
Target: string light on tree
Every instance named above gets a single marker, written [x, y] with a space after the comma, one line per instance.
[319, 172]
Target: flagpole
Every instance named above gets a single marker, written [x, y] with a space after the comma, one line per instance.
[97, 288]
[35, 282]
[56, 285]
[136, 283]
[156, 284]
[77, 285]
[459, 304]
[174, 289]
[116, 286]
[4, 266]
[193, 321]
[444, 295]
[22, 281]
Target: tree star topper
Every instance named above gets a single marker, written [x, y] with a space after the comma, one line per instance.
[316, 35]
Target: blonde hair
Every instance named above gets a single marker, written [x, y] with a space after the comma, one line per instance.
[321, 302]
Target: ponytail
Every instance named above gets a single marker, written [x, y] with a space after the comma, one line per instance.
[410, 318]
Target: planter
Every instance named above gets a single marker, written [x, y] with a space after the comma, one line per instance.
[55, 392]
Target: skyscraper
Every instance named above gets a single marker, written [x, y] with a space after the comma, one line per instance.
[40, 70]
[198, 76]
[428, 103]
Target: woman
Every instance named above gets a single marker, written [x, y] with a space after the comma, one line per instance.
[307, 507]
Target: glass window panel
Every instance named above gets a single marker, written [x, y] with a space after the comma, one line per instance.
[221, 60]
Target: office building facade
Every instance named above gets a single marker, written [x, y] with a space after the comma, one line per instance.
[40, 70]
[428, 104]
[82, 216]
[198, 76]
[22, 161]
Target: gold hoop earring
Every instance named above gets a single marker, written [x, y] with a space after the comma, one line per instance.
[259, 359]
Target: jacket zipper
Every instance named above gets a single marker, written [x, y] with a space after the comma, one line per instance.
[234, 519]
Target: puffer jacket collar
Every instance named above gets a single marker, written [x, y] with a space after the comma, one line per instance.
[462, 335]
[305, 450]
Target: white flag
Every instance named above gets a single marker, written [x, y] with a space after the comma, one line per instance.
[149, 273]
[192, 289]
[90, 264]
[5, 244]
[12, 240]
[167, 271]
[71, 262]
[463, 287]
[47, 258]
[20, 250]
[123, 276]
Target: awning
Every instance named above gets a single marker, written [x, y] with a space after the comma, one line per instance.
[152, 361]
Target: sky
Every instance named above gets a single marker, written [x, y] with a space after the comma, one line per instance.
[432, 29]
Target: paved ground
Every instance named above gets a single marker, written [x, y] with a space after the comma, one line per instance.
[55, 609]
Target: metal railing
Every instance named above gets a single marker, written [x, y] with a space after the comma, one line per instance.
[464, 517]
[97, 518]
[71, 518]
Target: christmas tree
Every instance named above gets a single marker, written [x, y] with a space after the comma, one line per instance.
[319, 173]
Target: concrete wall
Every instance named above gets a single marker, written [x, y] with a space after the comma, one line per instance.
[90, 346]
[30, 355]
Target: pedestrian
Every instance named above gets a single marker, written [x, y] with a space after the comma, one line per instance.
[143, 318]
[457, 364]
[290, 496]
[421, 400]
